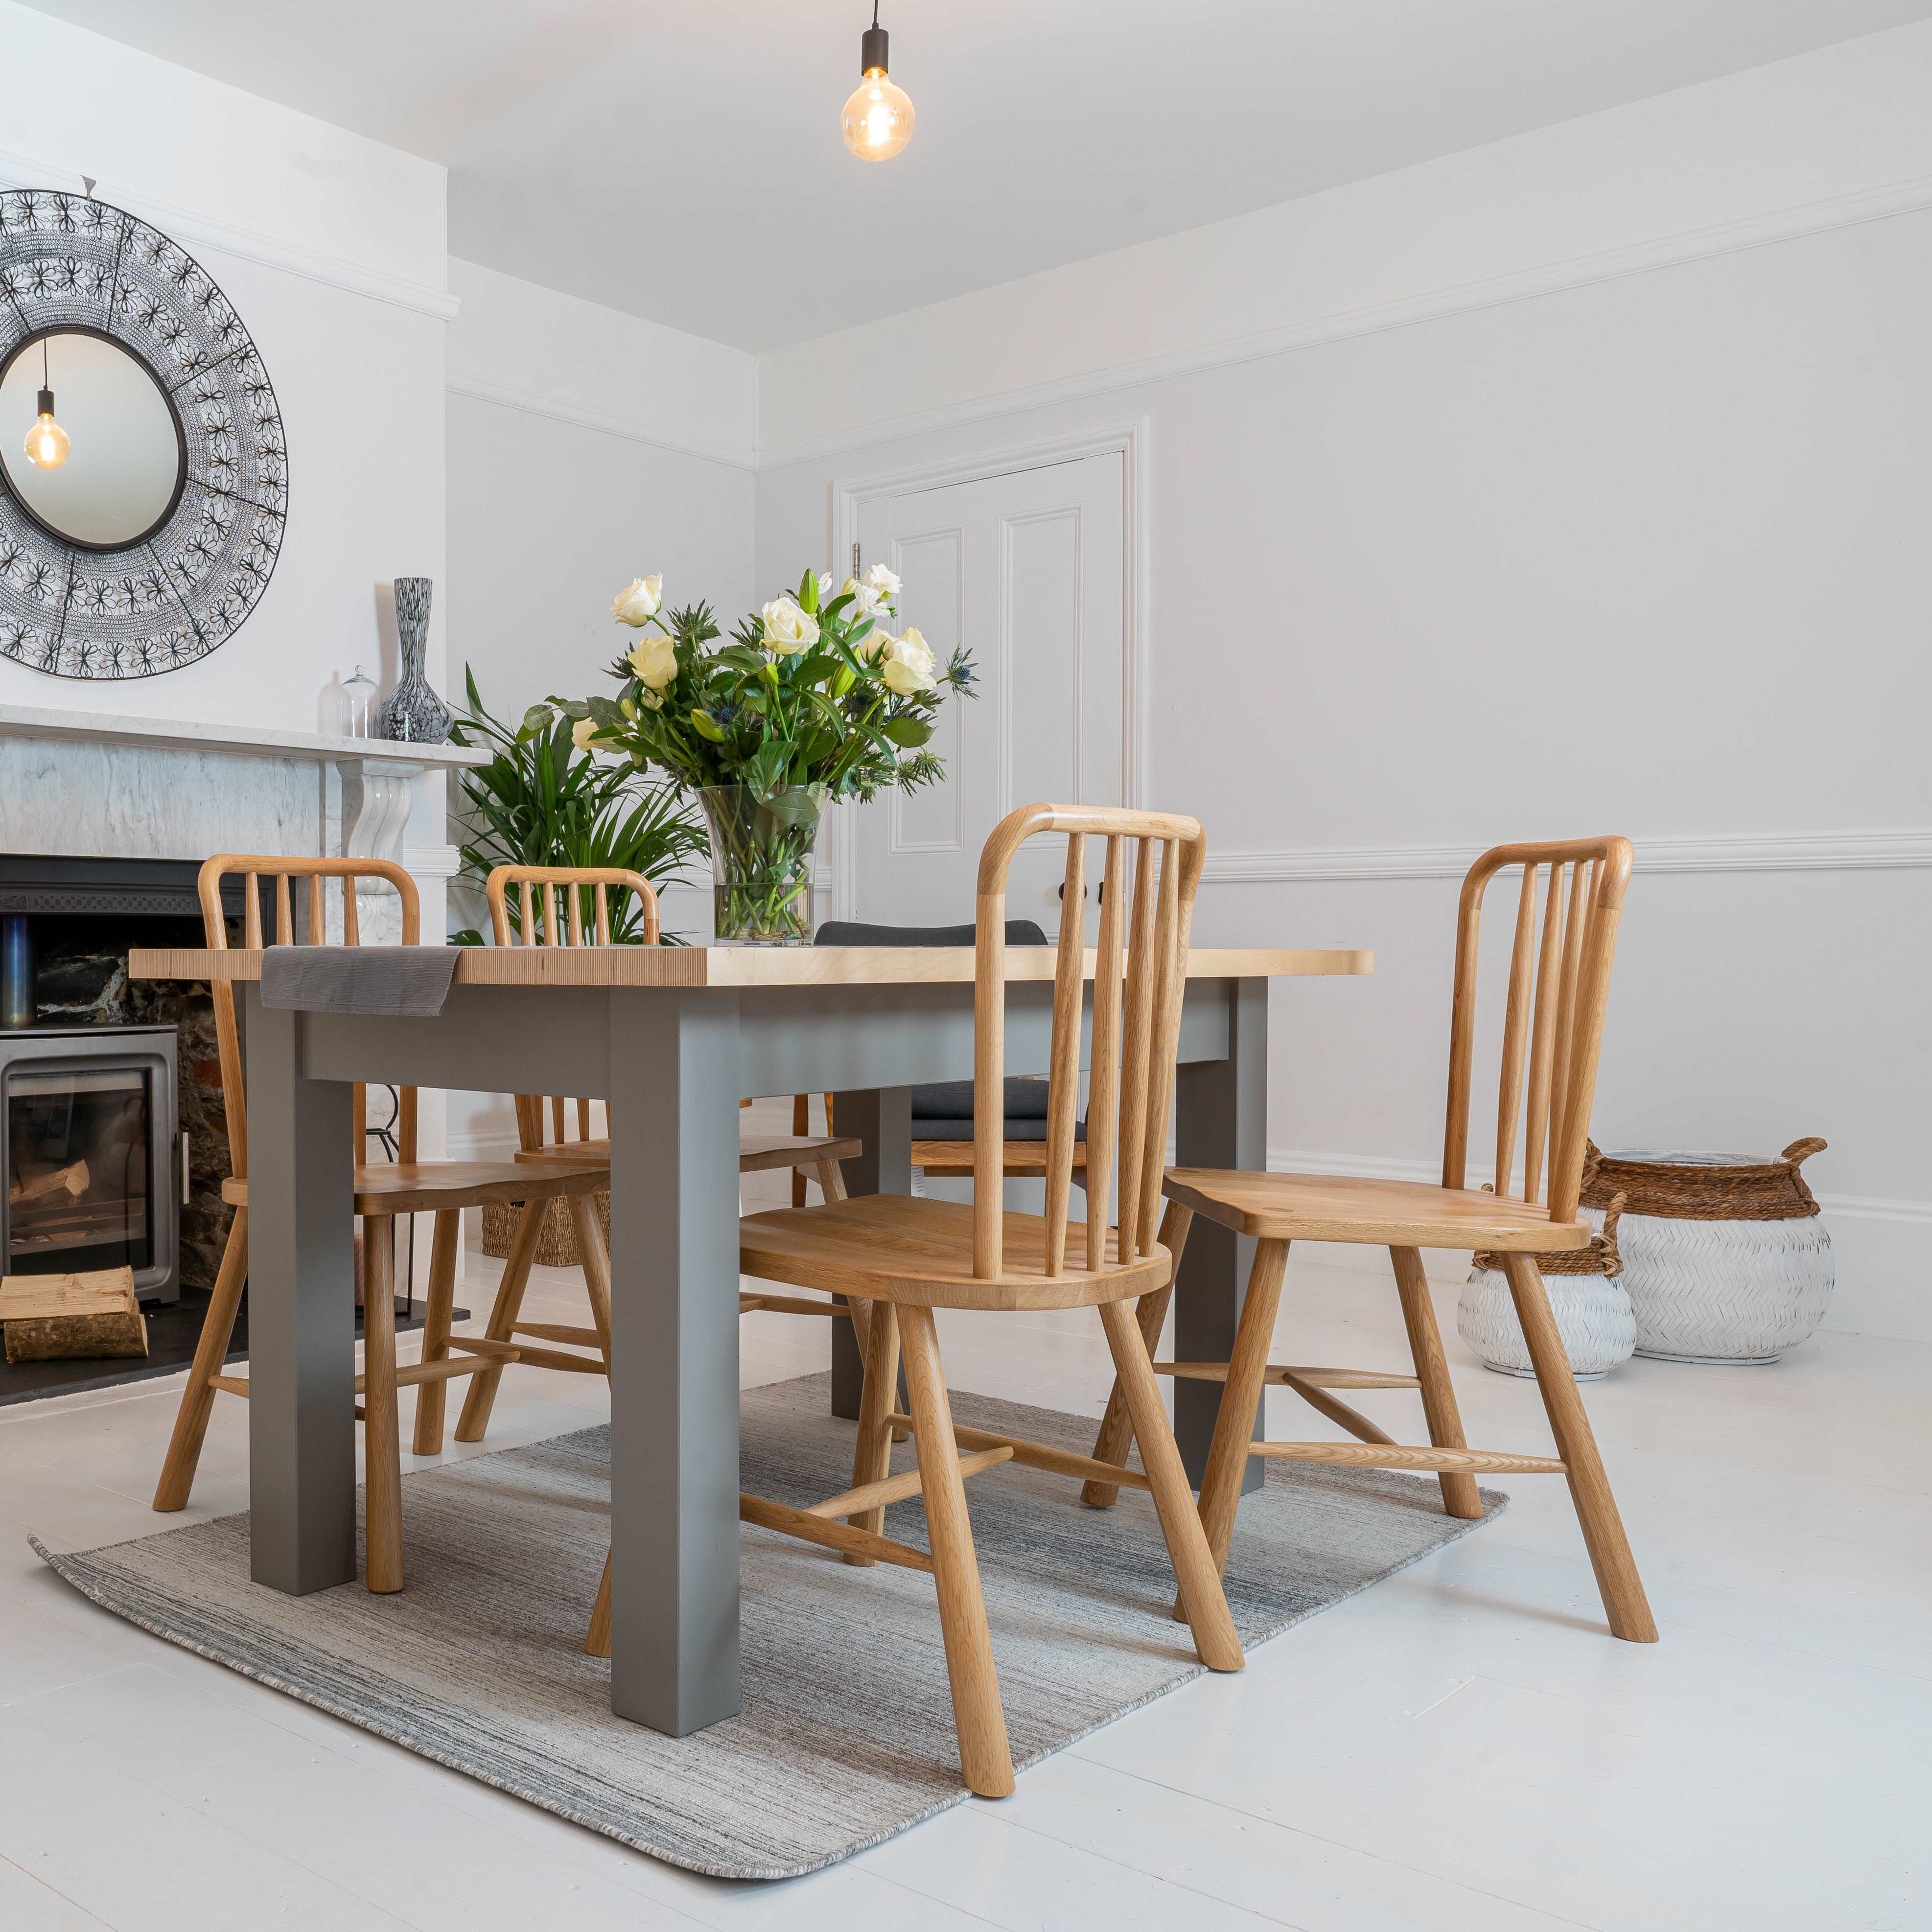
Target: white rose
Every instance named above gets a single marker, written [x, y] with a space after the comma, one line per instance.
[654, 661]
[581, 732]
[787, 628]
[639, 600]
[866, 602]
[906, 665]
[884, 581]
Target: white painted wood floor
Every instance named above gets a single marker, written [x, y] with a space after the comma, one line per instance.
[1463, 1746]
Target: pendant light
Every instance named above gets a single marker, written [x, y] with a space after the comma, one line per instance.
[877, 120]
[48, 446]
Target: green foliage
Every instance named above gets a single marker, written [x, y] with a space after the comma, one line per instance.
[812, 691]
[541, 801]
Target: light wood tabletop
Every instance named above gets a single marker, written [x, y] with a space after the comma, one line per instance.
[764, 965]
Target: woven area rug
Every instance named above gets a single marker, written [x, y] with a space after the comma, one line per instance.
[846, 1737]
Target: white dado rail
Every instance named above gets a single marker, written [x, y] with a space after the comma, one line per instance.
[98, 783]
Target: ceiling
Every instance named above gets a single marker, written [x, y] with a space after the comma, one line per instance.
[681, 160]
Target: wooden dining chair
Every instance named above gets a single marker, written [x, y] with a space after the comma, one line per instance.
[942, 1113]
[570, 906]
[1552, 1030]
[382, 1191]
[906, 1257]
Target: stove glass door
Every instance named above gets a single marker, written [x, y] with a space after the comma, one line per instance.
[79, 1191]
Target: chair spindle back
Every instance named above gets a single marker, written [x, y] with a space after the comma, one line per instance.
[253, 868]
[1559, 984]
[552, 903]
[1136, 1029]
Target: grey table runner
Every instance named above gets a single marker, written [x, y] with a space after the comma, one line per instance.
[413, 981]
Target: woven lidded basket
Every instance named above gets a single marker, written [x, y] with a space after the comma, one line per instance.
[1725, 1258]
[557, 1246]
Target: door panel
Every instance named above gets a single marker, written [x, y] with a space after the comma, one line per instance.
[1027, 570]
[932, 564]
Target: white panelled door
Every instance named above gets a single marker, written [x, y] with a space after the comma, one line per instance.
[1028, 570]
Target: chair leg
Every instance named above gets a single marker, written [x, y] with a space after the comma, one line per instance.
[801, 1124]
[1215, 1642]
[597, 1639]
[984, 1755]
[428, 1439]
[474, 1419]
[872, 1449]
[1624, 1604]
[197, 1402]
[832, 1185]
[596, 1263]
[1116, 1436]
[382, 1444]
[1240, 1396]
[1431, 1370]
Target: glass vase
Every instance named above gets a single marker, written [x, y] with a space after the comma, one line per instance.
[761, 862]
[413, 713]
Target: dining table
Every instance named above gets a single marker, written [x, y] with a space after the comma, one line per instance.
[672, 1038]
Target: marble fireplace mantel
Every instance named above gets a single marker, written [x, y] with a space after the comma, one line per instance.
[108, 784]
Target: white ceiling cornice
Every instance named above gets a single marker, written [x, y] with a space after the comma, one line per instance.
[201, 233]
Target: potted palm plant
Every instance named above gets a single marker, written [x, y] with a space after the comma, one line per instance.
[545, 799]
[813, 699]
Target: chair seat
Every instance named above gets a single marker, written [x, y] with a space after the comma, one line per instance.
[1391, 1213]
[423, 1187]
[891, 1247]
[951, 1160]
[756, 1152]
[759, 1152]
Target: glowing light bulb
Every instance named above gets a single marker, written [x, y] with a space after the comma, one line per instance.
[877, 120]
[48, 446]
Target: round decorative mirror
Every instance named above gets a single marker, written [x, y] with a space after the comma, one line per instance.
[123, 461]
[143, 472]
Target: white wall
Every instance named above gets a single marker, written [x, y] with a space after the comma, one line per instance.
[1574, 485]
[331, 247]
[586, 448]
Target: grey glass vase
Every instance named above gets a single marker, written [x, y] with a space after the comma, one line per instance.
[413, 713]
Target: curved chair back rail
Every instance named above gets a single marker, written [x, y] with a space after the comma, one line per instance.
[580, 888]
[253, 868]
[551, 903]
[1136, 1026]
[1559, 987]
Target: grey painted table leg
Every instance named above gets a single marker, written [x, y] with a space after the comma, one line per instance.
[883, 1119]
[674, 1357]
[1220, 1120]
[301, 1315]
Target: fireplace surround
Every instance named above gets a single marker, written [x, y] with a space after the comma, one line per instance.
[93, 1157]
[112, 1131]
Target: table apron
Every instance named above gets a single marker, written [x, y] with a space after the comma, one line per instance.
[792, 1039]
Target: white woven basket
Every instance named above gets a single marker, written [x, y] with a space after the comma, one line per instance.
[1740, 1291]
[1593, 1315]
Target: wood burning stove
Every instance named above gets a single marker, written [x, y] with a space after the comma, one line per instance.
[93, 1162]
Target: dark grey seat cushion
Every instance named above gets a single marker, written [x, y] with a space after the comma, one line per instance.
[855, 932]
[943, 1111]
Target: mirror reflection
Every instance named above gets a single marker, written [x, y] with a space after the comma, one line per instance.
[88, 443]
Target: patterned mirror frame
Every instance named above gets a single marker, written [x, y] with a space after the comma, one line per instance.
[169, 597]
